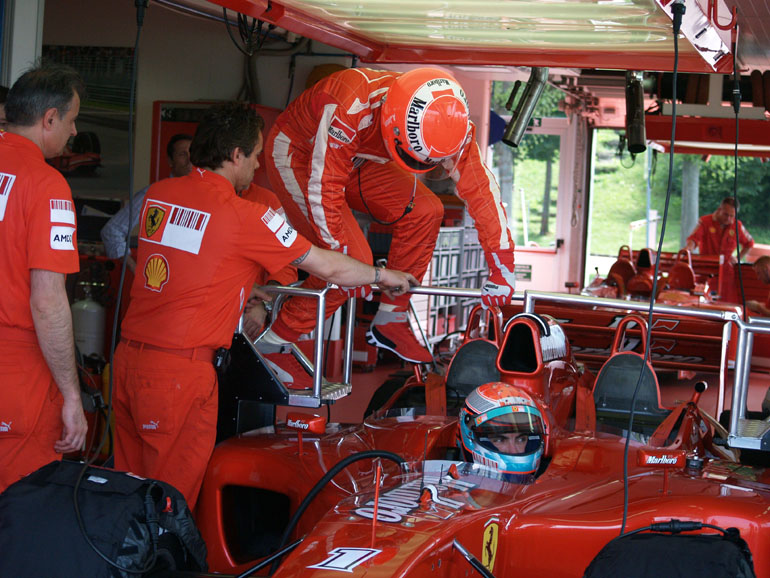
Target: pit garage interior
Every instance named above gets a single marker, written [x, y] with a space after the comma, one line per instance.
[188, 58]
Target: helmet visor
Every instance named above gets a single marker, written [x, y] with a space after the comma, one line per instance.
[510, 430]
[414, 164]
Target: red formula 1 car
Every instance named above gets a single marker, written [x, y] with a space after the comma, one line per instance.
[312, 491]
[82, 155]
[684, 278]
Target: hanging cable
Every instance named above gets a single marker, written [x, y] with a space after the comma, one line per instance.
[737, 108]
[677, 11]
[407, 209]
[141, 6]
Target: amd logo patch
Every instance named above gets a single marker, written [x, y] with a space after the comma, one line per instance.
[62, 238]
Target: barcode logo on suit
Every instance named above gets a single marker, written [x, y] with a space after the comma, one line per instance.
[6, 184]
[62, 211]
[182, 227]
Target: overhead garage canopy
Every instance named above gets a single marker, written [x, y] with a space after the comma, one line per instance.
[710, 136]
[612, 34]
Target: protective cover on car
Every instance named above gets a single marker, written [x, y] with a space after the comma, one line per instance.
[114, 507]
[655, 555]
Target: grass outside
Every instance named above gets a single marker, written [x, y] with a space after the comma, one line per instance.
[620, 197]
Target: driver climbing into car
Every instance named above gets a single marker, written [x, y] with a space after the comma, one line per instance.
[356, 140]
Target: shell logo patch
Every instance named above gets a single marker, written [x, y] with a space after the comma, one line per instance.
[489, 545]
[156, 272]
[154, 219]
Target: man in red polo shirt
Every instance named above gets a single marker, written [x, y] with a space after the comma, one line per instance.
[715, 235]
[41, 413]
[201, 248]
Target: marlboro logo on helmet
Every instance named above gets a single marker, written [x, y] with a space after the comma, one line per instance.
[425, 119]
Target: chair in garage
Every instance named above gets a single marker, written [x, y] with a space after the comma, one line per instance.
[622, 270]
[475, 362]
[617, 381]
[681, 276]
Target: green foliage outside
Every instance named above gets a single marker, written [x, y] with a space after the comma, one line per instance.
[529, 163]
[619, 194]
[619, 190]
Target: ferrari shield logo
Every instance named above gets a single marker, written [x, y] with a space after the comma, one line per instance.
[489, 547]
[154, 219]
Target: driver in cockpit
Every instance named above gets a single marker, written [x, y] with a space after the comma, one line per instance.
[501, 427]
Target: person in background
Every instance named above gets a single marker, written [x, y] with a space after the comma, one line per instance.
[715, 233]
[356, 140]
[256, 310]
[762, 269]
[3, 97]
[200, 250]
[41, 412]
[116, 230]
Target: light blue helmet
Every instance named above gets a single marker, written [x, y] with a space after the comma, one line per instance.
[502, 428]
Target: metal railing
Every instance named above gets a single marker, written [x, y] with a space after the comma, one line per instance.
[745, 330]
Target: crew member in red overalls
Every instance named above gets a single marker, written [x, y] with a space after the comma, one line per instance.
[715, 235]
[200, 250]
[41, 412]
[257, 310]
[357, 140]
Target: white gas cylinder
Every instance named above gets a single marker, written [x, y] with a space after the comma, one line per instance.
[88, 326]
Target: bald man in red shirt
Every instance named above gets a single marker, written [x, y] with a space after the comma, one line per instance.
[715, 233]
[200, 250]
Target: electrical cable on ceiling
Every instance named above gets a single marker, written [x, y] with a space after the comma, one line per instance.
[251, 41]
[677, 11]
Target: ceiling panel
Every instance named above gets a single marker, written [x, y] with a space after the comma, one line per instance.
[613, 34]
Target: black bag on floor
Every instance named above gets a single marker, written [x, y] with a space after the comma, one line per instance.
[40, 536]
[658, 555]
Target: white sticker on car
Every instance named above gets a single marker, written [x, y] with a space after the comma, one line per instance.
[345, 559]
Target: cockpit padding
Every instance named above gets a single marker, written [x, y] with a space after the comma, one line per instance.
[519, 352]
[681, 277]
[614, 390]
[645, 259]
[473, 365]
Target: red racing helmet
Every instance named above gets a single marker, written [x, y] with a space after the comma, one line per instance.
[425, 119]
